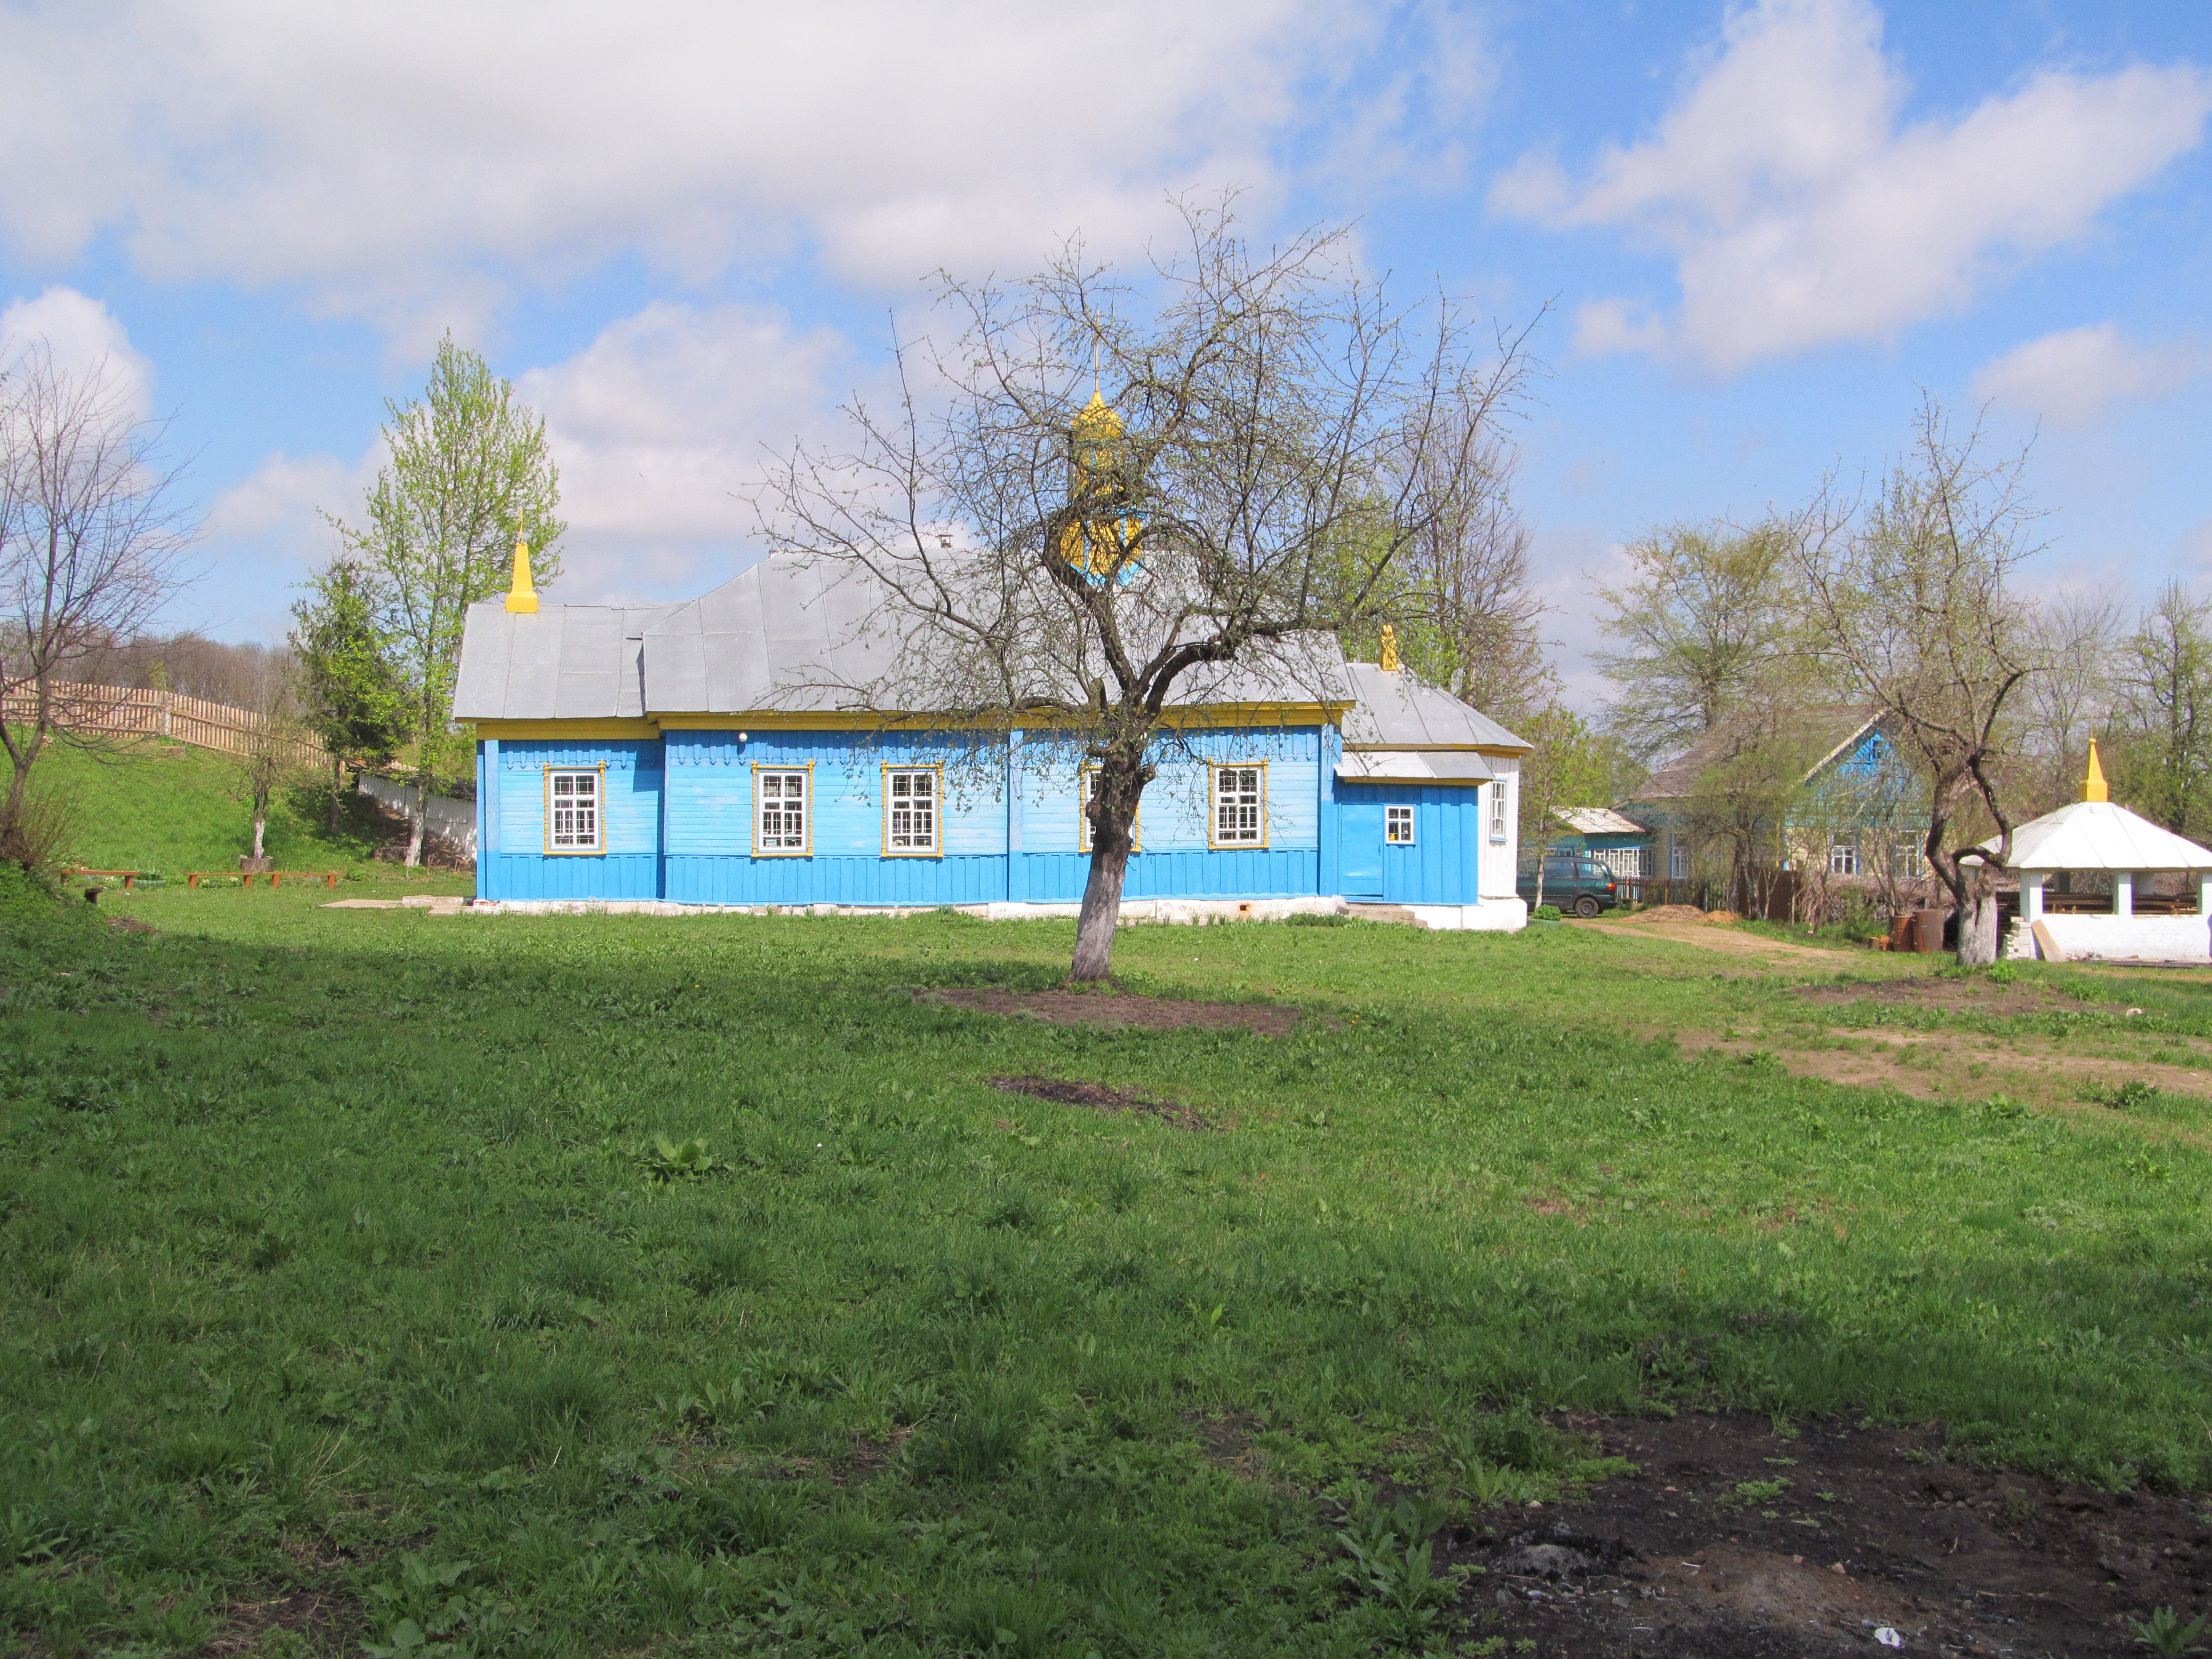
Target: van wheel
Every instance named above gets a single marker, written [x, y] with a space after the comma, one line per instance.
[1586, 907]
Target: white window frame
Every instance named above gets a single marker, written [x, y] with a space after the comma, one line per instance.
[762, 849]
[1501, 815]
[1084, 784]
[1678, 859]
[1842, 858]
[913, 840]
[575, 846]
[1239, 835]
[1394, 817]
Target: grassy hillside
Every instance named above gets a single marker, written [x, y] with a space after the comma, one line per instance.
[573, 1286]
[169, 808]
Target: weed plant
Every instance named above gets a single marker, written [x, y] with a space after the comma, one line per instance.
[567, 1284]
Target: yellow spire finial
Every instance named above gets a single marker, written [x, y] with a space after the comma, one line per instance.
[2092, 787]
[521, 597]
[1389, 650]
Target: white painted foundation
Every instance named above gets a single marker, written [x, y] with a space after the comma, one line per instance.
[1492, 915]
[2149, 939]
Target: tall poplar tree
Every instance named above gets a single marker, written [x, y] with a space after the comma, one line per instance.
[469, 470]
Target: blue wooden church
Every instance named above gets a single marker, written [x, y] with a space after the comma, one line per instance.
[698, 754]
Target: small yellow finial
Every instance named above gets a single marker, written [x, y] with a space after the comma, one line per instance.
[521, 597]
[1389, 650]
[2092, 787]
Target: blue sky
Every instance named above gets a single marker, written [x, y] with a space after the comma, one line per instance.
[684, 229]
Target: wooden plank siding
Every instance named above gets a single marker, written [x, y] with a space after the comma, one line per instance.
[679, 820]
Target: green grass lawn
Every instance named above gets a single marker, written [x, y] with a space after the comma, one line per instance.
[343, 1277]
[172, 809]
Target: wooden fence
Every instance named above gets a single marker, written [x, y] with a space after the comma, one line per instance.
[136, 712]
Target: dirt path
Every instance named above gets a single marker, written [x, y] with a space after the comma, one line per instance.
[1728, 940]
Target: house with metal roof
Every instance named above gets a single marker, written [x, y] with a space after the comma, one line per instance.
[719, 753]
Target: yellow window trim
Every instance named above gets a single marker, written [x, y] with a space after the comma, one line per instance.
[1213, 807]
[1083, 821]
[546, 784]
[761, 852]
[561, 731]
[890, 852]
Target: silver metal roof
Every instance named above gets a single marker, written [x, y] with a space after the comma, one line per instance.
[801, 634]
[563, 662]
[1412, 766]
[1396, 711]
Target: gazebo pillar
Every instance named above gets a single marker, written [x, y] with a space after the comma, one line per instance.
[2123, 892]
[2205, 892]
[2030, 894]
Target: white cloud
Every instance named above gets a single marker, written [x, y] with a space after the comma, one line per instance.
[414, 156]
[2070, 378]
[659, 427]
[81, 338]
[1801, 211]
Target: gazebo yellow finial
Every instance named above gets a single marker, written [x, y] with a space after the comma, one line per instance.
[1389, 650]
[521, 597]
[2092, 787]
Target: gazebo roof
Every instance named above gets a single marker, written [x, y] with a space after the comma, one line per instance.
[2096, 834]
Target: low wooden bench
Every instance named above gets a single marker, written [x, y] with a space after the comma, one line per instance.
[328, 877]
[129, 876]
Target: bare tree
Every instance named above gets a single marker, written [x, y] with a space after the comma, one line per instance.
[1705, 616]
[1911, 603]
[1458, 595]
[2164, 759]
[1075, 568]
[276, 746]
[2072, 693]
[92, 544]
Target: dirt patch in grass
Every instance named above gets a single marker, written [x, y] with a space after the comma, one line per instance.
[1100, 1098]
[1961, 996]
[1728, 1543]
[318, 1614]
[1707, 936]
[1666, 913]
[1099, 1008]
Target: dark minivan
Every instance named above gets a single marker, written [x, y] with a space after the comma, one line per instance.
[1573, 883]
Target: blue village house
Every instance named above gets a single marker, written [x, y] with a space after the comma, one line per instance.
[1822, 790]
[664, 756]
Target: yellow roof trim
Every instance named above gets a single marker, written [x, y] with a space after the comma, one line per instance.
[611, 726]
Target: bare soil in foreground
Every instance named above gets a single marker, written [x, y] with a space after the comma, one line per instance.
[1734, 1541]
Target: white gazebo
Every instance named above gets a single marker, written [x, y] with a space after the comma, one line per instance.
[2095, 836]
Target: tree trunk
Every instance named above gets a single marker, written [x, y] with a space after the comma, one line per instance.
[418, 819]
[338, 782]
[1102, 909]
[1978, 930]
[1113, 813]
[260, 824]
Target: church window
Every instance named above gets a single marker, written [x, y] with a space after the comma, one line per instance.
[1240, 807]
[781, 820]
[574, 821]
[910, 810]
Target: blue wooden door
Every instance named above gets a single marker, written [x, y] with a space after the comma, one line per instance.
[1359, 825]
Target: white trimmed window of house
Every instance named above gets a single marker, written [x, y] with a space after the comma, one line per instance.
[1501, 806]
[1678, 859]
[781, 818]
[911, 799]
[1240, 807]
[1907, 867]
[1085, 783]
[574, 821]
[1842, 858]
[1398, 826]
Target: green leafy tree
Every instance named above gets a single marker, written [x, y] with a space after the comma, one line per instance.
[350, 694]
[1572, 764]
[470, 472]
[1705, 615]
